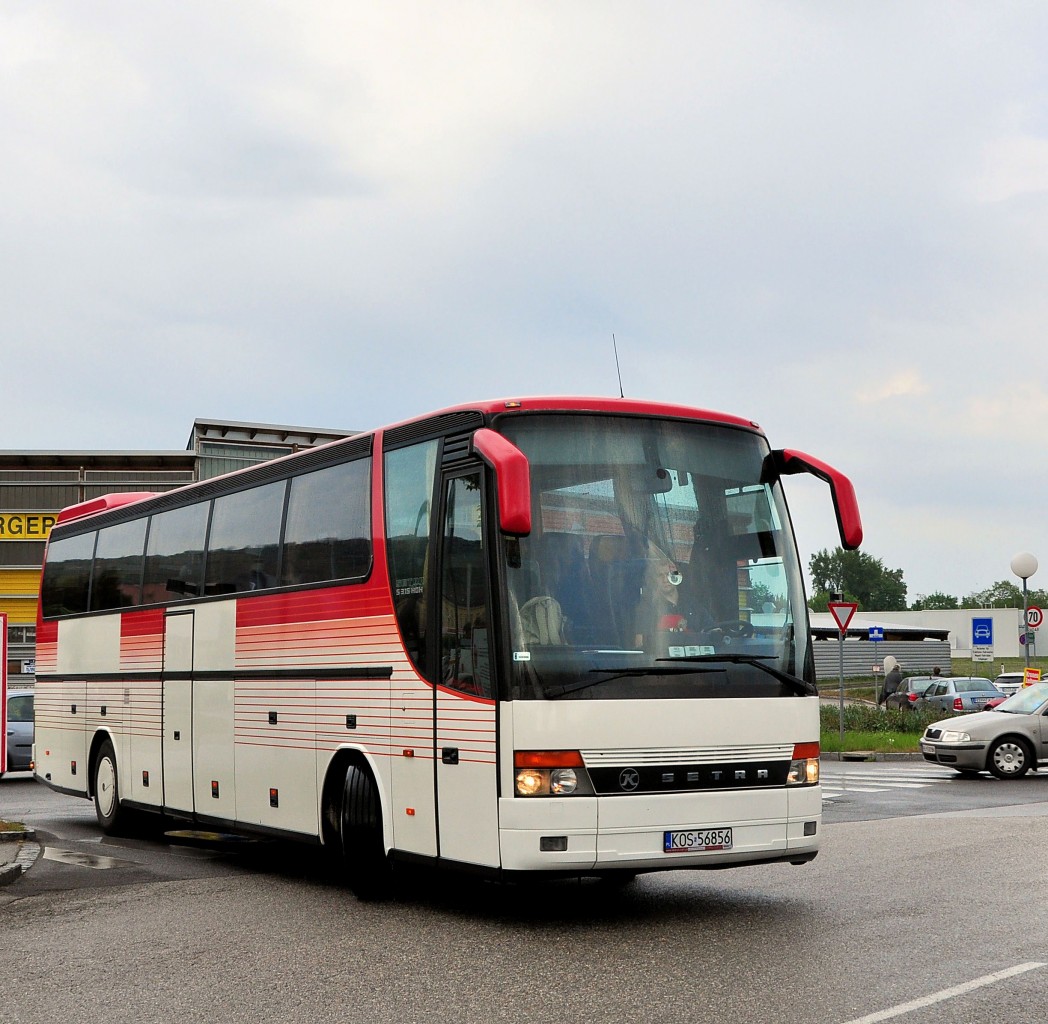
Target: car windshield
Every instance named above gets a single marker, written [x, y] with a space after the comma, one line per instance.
[1026, 701]
[659, 564]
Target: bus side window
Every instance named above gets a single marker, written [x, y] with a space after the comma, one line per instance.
[243, 546]
[327, 535]
[409, 475]
[116, 578]
[175, 553]
[67, 575]
[466, 662]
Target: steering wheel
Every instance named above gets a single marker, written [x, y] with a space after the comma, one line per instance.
[733, 629]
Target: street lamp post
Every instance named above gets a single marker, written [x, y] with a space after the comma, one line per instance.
[1024, 565]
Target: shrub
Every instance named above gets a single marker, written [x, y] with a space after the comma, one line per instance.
[869, 718]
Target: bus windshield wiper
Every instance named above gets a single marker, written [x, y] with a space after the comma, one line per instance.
[757, 661]
[608, 674]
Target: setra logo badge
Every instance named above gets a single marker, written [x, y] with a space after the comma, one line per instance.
[629, 779]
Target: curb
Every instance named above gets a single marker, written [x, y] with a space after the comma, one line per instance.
[870, 755]
[25, 858]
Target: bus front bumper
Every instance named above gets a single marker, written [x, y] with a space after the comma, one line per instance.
[608, 834]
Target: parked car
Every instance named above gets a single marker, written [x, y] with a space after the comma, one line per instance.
[911, 691]
[960, 693]
[1007, 741]
[1009, 682]
[19, 730]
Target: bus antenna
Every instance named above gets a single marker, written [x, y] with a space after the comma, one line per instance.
[618, 370]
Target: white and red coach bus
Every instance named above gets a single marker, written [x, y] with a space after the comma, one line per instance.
[521, 637]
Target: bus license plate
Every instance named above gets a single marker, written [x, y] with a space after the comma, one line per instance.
[696, 840]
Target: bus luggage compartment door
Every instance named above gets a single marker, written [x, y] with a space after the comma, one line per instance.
[178, 711]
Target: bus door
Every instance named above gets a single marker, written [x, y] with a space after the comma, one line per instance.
[464, 755]
[177, 684]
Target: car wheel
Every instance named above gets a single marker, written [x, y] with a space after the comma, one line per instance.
[105, 783]
[1008, 758]
[368, 869]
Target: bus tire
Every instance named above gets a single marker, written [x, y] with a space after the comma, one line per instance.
[368, 870]
[105, 784]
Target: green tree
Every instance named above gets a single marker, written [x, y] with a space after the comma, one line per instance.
[859, 577]
[1003, 594]
[934, 602]
[820, 600]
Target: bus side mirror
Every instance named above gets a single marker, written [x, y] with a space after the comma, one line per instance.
[786, 461]
[513, 480]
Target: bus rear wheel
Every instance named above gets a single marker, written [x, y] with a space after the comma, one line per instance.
[368, 870]
[105, 784]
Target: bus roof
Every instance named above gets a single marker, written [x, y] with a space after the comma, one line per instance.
[584, 403]
[102, 504]
[486, 408]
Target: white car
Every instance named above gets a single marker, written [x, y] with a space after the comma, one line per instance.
[1009, 682]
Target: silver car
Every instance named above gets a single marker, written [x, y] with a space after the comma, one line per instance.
[959, 693]
[19, 731]
[1007, 741]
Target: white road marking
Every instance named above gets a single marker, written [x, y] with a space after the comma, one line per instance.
[946, 993]
[870, 785]
[854, 789]
[838, 782]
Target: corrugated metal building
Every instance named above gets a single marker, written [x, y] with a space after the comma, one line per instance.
[35, 485]
[917, 648]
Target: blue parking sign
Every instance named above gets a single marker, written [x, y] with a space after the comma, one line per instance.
[982, 632]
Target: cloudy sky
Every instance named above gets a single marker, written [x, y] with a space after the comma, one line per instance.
[831, 218]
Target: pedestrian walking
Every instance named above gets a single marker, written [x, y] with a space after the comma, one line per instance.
[892, 678]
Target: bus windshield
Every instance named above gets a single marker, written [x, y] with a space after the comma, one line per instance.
[659, 565]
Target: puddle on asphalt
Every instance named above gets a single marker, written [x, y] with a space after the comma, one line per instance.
[84, 860]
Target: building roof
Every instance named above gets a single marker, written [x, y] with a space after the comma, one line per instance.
[49, 459]
[824, 625]
[262, 433]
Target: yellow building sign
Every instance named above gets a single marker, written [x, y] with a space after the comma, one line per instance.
[26, 525]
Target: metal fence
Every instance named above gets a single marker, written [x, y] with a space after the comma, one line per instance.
[863, 659]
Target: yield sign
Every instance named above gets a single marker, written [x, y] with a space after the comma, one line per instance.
[842, 611]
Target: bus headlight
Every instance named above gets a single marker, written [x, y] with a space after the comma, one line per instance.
[563, 781]
[532, 782]
[550, 773]
[804, 768]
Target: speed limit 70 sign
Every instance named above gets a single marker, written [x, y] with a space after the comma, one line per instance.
[1034, 616]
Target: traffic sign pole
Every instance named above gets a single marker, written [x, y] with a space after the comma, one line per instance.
[876, 637]
[1026, 624]
[840, 684]
[842, 612]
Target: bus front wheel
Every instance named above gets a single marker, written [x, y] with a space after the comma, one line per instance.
[368, 870]
[105, 783]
